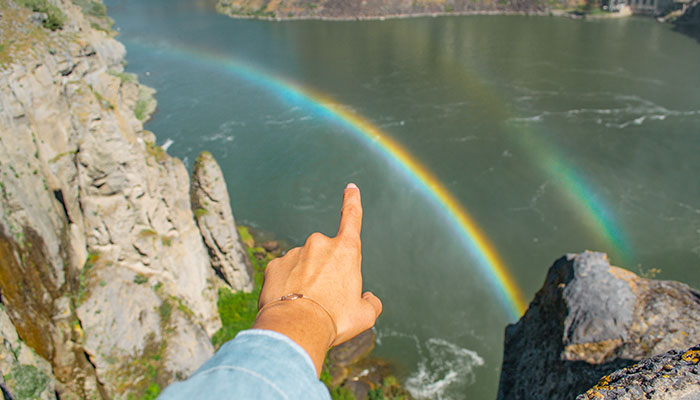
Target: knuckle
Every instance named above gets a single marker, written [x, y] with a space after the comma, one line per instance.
[315, 238]
[289, 253]
[271, 266]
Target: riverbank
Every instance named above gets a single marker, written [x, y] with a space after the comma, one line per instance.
[377, 10]
[331, 11]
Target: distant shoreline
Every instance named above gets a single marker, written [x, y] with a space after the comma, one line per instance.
[548, 13]
[395, 16]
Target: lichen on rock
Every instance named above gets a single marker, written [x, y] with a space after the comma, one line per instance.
[674, 375]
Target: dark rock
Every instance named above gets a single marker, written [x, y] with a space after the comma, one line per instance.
[588, 320]
[359, 389]
[271, 245]
[690, 15]
[353, 350]
[671, 375]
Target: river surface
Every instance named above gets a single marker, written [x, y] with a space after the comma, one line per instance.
[550, 136]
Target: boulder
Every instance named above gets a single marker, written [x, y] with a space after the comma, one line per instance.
[588, 320]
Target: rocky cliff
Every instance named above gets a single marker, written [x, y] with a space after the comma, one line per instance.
[107, 287]
[591, 319]
[370, 9]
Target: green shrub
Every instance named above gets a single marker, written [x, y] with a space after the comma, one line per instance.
[340, 393]
[55, 17]
[238, 310]
[140, 109]
[165, 310]
[26, 382]
[152, 391]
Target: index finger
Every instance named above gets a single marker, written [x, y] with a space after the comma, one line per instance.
[351, 213]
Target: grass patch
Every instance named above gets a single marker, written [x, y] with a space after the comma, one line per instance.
[245, 236]
[148, 369]
[183, 307]
[145, 104]
[140, 279]
[140, 109]
[54, 16]
[156, 152]
[123, 76]
[165, 311]
[92, 8]
[152, 391]
[166, 241]
[238, 310]
[93, 257]
[104, 103]
[19, 35]
[96, 13]
[26, 382]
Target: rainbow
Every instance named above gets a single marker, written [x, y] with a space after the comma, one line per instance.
[585, 201]
[591, 207]
[489, 263]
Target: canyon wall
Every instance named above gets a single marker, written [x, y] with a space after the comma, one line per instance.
[107, 287]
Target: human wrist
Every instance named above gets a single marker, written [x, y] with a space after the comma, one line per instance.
[304, 322]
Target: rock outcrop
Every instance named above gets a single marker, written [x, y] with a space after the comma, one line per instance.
[690, 16]
[351, 371]
[104, 276]
[588, 320]
[369, 9]
[212, 209]
[674, 375]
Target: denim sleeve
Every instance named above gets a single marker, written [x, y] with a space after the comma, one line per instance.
[256, 364]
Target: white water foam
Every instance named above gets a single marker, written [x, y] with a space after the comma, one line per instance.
[169, 142]
[445, 366]
[631, 111]
[443, 369]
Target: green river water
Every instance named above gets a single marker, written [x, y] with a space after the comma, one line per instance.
[555, 135]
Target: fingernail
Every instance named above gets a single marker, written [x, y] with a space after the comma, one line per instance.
[351, 186]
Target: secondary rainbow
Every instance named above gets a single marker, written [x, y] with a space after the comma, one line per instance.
[489, 263]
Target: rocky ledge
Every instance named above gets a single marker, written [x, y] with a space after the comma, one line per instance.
[591, 319]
